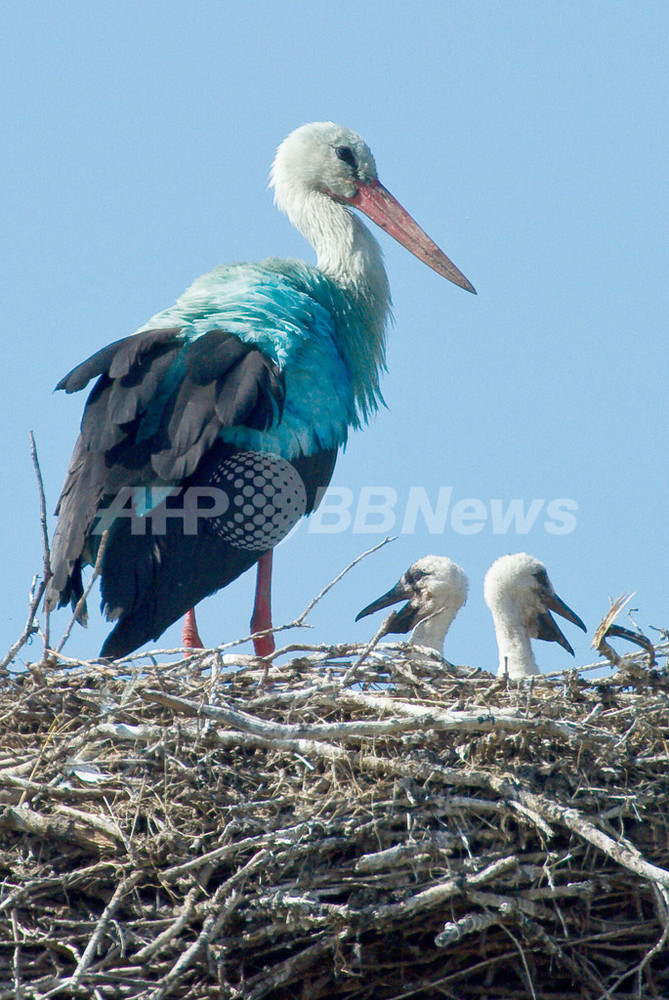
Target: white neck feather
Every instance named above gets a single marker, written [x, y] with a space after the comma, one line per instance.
[432, 630]
[513, 642]
[346, 250]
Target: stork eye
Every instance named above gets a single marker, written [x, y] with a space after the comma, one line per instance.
[345, 153]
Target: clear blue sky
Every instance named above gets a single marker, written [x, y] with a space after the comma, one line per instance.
[529, 139]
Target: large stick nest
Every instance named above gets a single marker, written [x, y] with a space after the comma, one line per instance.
[406, 830]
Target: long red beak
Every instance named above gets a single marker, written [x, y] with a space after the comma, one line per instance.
[378, 203]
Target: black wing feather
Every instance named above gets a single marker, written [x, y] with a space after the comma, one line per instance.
[98, 433]
[127, 387]
[193, 410]
[132, 350]
[251, 394]
[115, 359]
[133, 392]
[245, 388]
[238, 392]
[80, 376]
[153, 415]
[211, 355]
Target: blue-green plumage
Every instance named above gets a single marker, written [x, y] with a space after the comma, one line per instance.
[298, 317]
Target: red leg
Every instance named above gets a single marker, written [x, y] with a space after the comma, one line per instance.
[191, 636]
[262, 608]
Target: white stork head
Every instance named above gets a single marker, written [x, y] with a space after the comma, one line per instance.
[322, 156]
[521, 597]
[320, 169]
[435, 588]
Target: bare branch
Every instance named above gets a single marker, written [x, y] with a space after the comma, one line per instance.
[46, 576]
[30, 628]
[81, 603]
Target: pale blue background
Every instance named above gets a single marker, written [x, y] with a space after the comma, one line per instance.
[529, 139]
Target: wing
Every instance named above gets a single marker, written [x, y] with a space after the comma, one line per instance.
[155, 411]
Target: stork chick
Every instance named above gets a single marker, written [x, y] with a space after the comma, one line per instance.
[435, 588]
[520, 597]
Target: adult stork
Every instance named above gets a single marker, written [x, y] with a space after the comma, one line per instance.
[521, 597]
[211, 430]
[435, 588]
